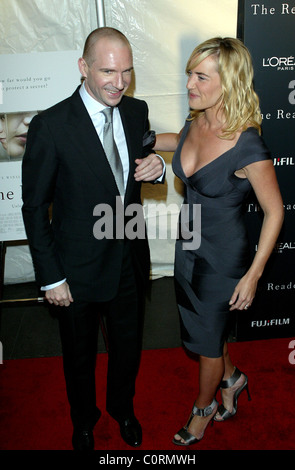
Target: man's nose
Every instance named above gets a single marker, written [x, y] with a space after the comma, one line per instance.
[119, 82]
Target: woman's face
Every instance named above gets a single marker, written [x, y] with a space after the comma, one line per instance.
[204, 85]
[15, 129]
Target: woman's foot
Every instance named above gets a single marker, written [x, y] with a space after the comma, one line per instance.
[230, 391]
[195, 428]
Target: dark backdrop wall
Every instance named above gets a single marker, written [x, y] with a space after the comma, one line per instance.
[268, 30]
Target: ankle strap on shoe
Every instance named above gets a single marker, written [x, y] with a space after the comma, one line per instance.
[205, 411]
[232, 380]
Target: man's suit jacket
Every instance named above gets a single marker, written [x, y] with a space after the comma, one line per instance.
[65, 164]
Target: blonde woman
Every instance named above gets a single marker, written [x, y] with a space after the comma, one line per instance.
[219, 156]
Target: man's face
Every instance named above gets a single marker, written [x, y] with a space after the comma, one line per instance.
[110, 73]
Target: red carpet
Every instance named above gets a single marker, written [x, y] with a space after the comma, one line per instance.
[35, 415]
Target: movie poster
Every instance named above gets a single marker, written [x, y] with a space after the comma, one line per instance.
[29, 83]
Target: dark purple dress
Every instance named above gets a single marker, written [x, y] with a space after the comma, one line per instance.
[206, 276]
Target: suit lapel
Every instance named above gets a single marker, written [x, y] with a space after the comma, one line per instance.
[87, 142]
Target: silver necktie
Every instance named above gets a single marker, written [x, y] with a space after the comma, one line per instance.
[111, 150]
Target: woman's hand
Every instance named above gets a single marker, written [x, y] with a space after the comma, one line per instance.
[244, 293]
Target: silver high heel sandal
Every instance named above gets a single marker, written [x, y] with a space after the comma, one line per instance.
[184, 434]
[222, 411]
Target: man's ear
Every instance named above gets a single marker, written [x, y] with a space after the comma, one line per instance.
[83, 67]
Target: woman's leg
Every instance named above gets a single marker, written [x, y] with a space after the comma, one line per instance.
[228, 393]
[228, 365]
[211, 371]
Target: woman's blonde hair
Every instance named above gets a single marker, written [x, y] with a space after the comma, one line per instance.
[239, 102]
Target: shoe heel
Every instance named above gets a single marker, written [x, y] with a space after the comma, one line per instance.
[249, 396]
[225, 414]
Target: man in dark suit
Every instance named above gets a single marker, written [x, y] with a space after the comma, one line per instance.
[83, 272]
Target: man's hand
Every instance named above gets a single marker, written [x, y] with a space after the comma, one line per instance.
[59, 295]
[149, 168]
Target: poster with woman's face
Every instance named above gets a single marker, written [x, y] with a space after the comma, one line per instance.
[13, 134]
[28, 82]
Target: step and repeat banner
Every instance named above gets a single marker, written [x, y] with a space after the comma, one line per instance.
[268, 30]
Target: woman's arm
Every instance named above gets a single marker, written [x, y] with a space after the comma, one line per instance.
[264, 182]
[166, 142]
